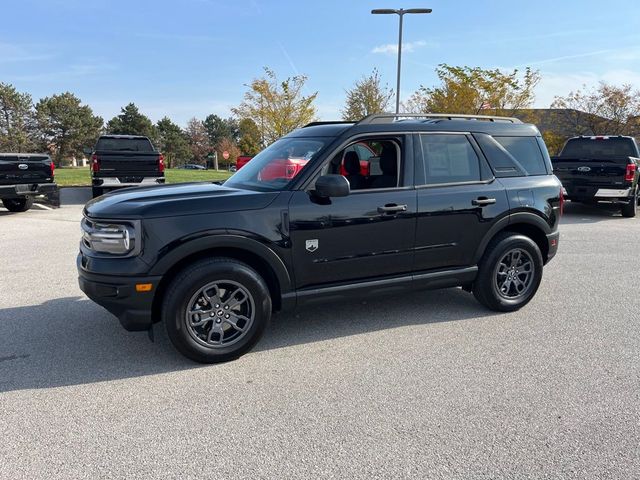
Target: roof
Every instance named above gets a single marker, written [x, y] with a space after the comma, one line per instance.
[477, 124]
[22, 155]
[124, 136]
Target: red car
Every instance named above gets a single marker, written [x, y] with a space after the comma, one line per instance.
[242, 160]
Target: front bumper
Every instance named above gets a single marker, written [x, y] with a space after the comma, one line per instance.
[26, 189]
[553, 240]
[118, 295]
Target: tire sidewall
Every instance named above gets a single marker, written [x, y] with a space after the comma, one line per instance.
[185, 286]
[501, 248]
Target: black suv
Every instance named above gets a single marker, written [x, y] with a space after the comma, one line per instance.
[333, 210]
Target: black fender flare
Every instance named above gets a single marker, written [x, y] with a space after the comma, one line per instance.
[210, 240]
[511, 219]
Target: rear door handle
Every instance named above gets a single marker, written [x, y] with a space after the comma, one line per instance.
[483, 201]
[392, 208]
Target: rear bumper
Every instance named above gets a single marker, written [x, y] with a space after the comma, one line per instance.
[597, 194]
[118, 295]
[553, 240]
[125, 181]
[26, 189]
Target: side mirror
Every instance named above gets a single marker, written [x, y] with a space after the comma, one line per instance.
[87, 151]
[332, 186]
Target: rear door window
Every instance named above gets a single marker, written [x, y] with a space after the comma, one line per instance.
[526, 151]
[449, 159]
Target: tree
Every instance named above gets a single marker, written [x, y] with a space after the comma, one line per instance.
[18, 128]
[277, 108]
[219, 128]
[226, 144]
[366, 97]
[67, 126]
[249, 141]
[475, 90]
[198, 141]
[172, 142]
[132, 122]
[603, 110]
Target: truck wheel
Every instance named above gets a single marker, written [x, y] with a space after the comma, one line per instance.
[216, 310]
[97, 191]
[630, 209]
[18, 204]
[509, 273]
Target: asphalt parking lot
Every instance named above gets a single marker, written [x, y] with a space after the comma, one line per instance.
[429, 385]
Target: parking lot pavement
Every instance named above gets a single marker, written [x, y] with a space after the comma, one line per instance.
[429, 385]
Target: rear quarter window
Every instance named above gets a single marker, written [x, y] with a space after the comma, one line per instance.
[526, 151]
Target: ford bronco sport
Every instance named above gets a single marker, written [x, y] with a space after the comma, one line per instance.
[447, 201]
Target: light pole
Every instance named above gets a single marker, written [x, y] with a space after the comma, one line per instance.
[401, 13]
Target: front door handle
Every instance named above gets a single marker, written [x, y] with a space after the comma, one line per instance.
[392, 208]
[483, 201]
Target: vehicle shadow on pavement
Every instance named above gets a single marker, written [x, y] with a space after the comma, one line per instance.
[577, 213]
[335, 320]
[71, 341]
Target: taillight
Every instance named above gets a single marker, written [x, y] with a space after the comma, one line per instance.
[161, 163]
[290, 170]
[95, 163]
[52, 167]
[561, 200]
[630, 173]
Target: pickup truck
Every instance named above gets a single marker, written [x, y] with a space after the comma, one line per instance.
[24, 176]
[124, 161]
[600, 169]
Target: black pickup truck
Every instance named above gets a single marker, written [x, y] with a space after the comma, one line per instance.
[600, 169]
[24, 176]
[124, 161]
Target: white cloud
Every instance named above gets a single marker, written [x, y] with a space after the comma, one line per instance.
[19, 53]
[560, 84]
[392, 48]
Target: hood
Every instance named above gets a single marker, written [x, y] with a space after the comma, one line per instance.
[175, 200]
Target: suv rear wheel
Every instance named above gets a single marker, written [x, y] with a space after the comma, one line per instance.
[509, 273]
[630, 209]
[18, 204]
[216, 310]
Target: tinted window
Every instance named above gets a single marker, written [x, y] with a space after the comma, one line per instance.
[599, 147]
[449, 159]
[526, 151]
[125, 144]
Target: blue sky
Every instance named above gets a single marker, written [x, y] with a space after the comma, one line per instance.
[193, 57]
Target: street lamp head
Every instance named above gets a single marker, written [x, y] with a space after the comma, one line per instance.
[389, 11]
[418, 10]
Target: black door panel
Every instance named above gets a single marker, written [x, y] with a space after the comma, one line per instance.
[366, 234]
[451, 224]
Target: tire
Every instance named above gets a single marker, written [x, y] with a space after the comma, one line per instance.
[97, 191]
[493, 276]
[630, 210]
[197, 335]
[18, 204]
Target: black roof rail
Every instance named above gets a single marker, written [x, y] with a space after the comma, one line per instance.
[389, 117]
[331, 122]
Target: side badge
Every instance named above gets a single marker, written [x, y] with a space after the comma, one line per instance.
[312, 245]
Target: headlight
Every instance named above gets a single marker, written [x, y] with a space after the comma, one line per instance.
[116, 238]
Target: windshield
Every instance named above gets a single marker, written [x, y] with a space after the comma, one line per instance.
[600, 148]
[277, 165]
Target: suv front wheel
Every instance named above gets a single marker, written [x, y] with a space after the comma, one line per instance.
[509, 274]
[216, 310]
